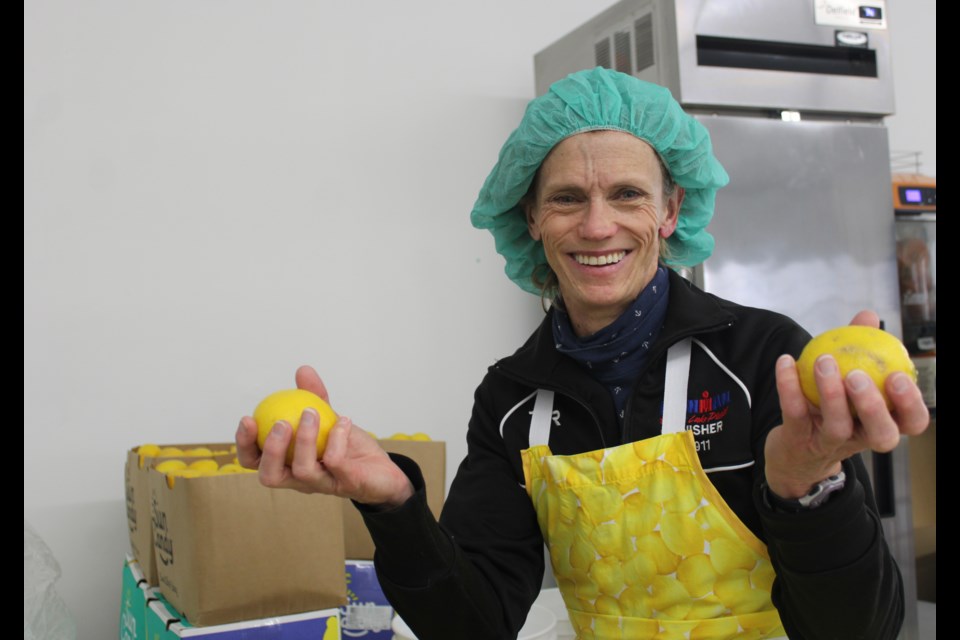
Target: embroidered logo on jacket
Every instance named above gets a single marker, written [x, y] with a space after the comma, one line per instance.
[705, 417]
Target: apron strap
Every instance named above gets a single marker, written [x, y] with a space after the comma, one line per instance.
[674, 398]
[675, 387]
[541, 418]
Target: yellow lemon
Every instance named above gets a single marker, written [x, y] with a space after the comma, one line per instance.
[147, 451]
[871, 350]
[420, 436]
[169, 452]
[198, 452]
[170, 465]
[206, 464]
[288, 405]
[182, 473]
[399, 436]
[233, 467]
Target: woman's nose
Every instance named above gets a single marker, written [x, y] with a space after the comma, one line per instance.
[598, 220]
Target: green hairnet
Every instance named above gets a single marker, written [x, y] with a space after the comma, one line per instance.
[591, 100]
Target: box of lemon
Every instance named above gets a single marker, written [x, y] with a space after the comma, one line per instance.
[146, 615]
[163, 623]
[368, 615]
[133, 602]
[229, 549]
[139, 461]
[431, 456]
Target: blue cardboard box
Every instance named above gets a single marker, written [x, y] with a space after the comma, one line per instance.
[163, 624]
[133, 602]
[367, 614]
[146, 615]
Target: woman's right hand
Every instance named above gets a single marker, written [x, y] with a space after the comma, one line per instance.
[354, 465]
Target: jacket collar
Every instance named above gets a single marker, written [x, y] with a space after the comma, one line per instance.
[690, 311]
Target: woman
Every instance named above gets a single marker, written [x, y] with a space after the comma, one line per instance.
[653, 436]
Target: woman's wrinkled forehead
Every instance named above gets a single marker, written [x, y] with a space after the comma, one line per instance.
[631, 146]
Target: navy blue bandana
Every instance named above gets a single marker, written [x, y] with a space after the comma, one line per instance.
[615, 355]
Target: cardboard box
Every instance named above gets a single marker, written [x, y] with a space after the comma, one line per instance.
[432, 458]
[146, 615]
[367, 615]
[138, 504]
[229, 549]
[163, 623]
[133, 602]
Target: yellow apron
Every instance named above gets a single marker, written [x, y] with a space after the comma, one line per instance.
[641, 543]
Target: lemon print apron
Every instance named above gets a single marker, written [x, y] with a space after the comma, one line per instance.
[641, 543]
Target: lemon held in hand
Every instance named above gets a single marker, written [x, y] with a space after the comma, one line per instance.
[871, 350]
[288, 405]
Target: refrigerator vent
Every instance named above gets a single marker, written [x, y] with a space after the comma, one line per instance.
[615, 51]
[601, 52]
[621, 48]
[643, 37]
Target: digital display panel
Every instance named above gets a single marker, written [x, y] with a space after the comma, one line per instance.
[871, 12]
[913, 196]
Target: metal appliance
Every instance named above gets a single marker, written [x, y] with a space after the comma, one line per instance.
[794, 94]
[915, 209]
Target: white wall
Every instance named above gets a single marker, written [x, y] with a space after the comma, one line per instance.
[217, 192]
[913, 49]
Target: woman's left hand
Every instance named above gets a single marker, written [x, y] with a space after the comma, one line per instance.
[810, 444]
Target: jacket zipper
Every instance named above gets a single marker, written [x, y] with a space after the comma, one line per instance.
[656, 357]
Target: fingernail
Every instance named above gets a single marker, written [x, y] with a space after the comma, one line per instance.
[310, 416]
[826, 365]
[784, 362]
[857, 380]
[900, 383]
[278, 429]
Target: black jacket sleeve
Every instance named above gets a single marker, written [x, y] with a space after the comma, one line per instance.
[475, 573]
[836, 577]
[423, 574]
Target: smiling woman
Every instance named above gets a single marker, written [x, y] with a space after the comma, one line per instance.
[596, 437]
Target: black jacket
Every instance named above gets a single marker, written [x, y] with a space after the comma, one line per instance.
[477, 573]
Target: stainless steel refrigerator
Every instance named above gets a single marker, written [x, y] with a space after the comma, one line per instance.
[794, 94]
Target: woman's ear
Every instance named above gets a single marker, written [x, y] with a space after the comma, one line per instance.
[672, 212]
[530, 211]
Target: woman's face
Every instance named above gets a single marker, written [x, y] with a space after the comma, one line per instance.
[600, 212]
